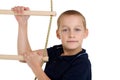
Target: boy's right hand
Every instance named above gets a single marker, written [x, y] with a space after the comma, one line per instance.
[21, 19]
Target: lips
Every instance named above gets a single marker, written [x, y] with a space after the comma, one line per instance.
[72, 41]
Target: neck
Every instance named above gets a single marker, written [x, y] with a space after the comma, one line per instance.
[71, 51]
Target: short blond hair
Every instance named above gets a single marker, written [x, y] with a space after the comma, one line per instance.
[71, 12]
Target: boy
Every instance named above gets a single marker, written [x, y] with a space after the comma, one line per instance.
[68, 61]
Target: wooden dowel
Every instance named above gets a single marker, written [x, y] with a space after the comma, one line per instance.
[17, 57]
[34, 13]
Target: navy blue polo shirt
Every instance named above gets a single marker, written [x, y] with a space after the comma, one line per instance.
[74, 67]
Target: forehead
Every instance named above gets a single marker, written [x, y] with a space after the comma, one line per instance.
[71, 20]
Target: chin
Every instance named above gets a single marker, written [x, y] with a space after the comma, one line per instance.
[72, 47]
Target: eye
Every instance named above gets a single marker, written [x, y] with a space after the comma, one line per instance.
[64, 30]
[77, 29]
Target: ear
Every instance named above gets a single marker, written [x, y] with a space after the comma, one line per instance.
[58, 34]
[86, 33]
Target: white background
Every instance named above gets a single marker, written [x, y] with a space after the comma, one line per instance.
[102, 44]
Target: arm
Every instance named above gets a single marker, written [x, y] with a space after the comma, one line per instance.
[33, 58]
[34, 61]
[23, 44]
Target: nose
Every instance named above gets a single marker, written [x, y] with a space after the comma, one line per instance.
[71, 34]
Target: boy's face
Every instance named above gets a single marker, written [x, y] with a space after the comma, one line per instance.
[71, 31]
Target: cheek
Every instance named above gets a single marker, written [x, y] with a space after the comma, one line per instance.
[63, 37]
[80, 36]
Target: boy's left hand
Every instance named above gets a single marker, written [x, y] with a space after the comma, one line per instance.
[33, 59]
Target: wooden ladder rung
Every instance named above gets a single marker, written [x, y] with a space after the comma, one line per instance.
[17, 57]
[34, 13]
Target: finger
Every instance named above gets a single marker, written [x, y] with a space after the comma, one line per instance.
[14, 9]
[26, 8]
[18, 9]
[21, 9]
[40, 52]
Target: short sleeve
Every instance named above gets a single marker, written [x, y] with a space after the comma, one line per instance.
[54, 51]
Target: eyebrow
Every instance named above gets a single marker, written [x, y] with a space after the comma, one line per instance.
[65, 26]
[78, 25]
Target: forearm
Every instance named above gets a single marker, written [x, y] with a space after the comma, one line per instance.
[40, 74]
[23, 43]
[34, 60]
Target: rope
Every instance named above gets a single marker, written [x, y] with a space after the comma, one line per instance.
[48, 33]
[49, 28]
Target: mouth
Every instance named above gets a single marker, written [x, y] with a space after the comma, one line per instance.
[72, 41]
